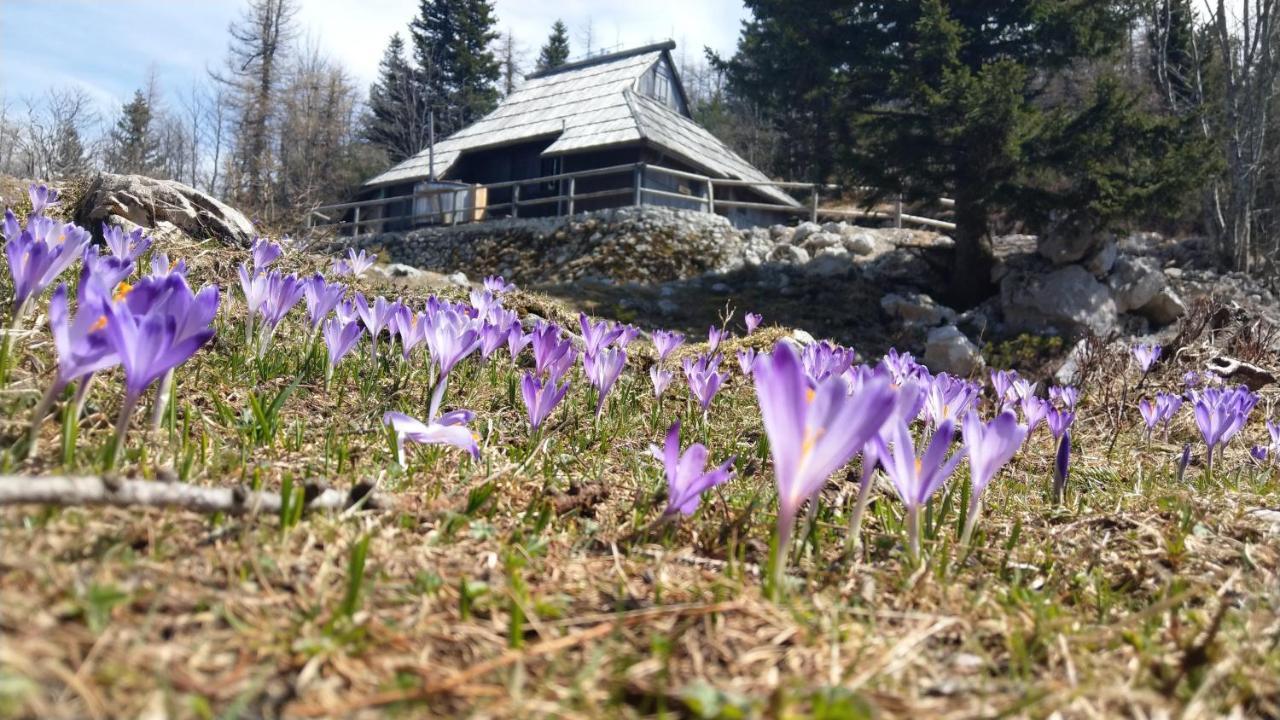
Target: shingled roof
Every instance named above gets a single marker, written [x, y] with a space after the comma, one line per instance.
[588, 105]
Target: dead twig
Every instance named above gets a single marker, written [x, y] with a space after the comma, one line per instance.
[77, 491]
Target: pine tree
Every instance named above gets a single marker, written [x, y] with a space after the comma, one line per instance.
[397, 120]
[932, 98]
[134, 147]
[556, 52]
[457, 72]
[69, 156]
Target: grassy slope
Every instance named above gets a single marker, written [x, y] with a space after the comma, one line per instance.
[527, 585]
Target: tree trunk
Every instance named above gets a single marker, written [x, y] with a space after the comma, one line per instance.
[970, 281]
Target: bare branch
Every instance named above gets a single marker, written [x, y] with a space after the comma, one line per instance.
[78, 491]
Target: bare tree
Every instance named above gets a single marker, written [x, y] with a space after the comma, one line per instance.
[259, 45]
[55, 140]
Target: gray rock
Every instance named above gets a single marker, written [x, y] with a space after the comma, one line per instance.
[460, 279]
[801, 337]
[147, 202]
[1068, 241]
[791, 254]
[859, 243]
[1069, 299]
[1166, 307]
[782, 233]
[668, 307]
[814, 242]
[830, 262]
[1068, 373]
[946, 349]
[1101, 262]
[1134, 282]
[916, 309]
[804, 230]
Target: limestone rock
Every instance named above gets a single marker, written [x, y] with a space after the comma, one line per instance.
[804, 230]
[147, 202]
[814, 242]
[1134, 282]
[1166, 307]
[859, 243]
[791, 254]
[946, 349]
[830, 262]
[1069, 299]
[1068, 241]
[1102, 261]
[460, 279]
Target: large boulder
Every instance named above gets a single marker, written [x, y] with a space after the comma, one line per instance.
[830, 262]
[1069, 299]
[789, 254]
[1166, 307]
[1134, 282]
[804, 230]
[815, 242]
[946, 349]
[148, 202]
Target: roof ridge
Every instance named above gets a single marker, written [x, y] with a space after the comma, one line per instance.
[601, 59]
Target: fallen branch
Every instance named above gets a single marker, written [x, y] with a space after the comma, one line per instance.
[117, 492]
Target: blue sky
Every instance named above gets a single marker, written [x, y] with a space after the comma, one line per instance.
[107, 46]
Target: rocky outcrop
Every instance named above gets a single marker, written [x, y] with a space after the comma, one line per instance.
[148, 202]
[1069, 299]
[946, 349]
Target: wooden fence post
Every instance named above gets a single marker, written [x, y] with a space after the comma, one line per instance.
[711, 196]
[355, 227]
[814, 213]
[515, 200]
[638, 178]
[897, 212]
[571, 186]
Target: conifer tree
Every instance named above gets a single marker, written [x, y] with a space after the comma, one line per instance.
[456, 70]
[556, 52]
[397, 120]
[134, 147]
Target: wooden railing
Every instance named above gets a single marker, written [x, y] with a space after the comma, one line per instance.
[568, 200]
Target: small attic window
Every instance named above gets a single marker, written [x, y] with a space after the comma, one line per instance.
[662, 83]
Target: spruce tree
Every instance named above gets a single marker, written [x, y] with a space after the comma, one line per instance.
[397, 120]
[134, 147]
[556, 52]
[456, 70]
[956, 98]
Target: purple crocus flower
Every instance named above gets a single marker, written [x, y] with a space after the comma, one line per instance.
[82, 346]
[1184, 460]
[548, 348]
[948, 398]
[346, 312]
[160, 265]
[1220, 414]
[752, 321]
[746, 360]
[540, 398]
[687, 476]
[603, 370]
[627, 336]
[1064, 397]
[1167, 407]
[1260, 455]
[359, 262]
[449, 429]
[1150, 414]
[341, 268]
[493, 335]
[1034, 411]
[1192, 380]
[824, 359]
[107, 270]
[1059, 421]
[704, 378]
[451, 336]
[665, 342]
[714, 337]
[484, 302]
[411, 328]
[374, 317]
[154, 327]
[812, 431]
[339, 338]
[265, 252]
[38, 255]
[1002, 385]
[1146, 355]
[1061, 466]
[127, 246]
[497, 285]
[661, 379]
[321, 297]
[1273, 429]
[917, 478]
[42, 197]
[597, 335]
[990, 447]
[902, 366]
[254, 285]
[517, 339]
[283, 292]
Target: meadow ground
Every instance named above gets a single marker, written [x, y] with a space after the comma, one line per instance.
[535, 583]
